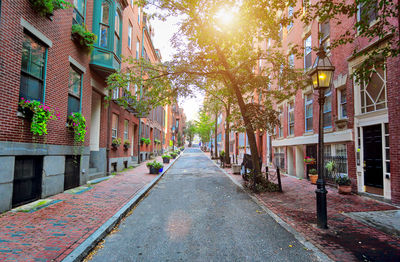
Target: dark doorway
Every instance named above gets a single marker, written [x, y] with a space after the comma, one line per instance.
[72, 172]
[27, 185]
[373, 169]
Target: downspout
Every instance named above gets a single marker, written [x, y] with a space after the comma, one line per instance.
[140, 94]
[108, 138]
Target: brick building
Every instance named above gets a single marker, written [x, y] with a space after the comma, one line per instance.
[360, 120]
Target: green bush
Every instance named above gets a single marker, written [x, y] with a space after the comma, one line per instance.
[222, 153]
[166, 156]
[154, 164]
[173, 154]
[84, 36]
[47, 7]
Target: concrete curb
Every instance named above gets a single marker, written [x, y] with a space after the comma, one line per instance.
[83, 249]
[319, 254]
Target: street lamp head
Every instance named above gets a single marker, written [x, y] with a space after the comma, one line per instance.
[322, 71]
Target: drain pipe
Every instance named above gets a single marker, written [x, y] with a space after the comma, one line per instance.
[108, 139]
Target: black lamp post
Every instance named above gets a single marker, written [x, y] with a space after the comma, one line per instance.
[321, 76]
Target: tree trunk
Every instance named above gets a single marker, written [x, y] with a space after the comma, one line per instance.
[227, 153]
[216, 136]
[246, 120]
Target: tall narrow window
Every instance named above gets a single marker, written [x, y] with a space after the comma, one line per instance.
[114, 128]
[115, 94]
[307, 53]
[342, 104]
[387, 149]
[280, 129]
[291, 60]
[74, 90]
[308, 112]
[79, 12]
[328, 109]
[32, 69]
[290, 16]
[137, 49]
[130, 35]
[104, 24]
[291, 119]
[325, 31]
[117, 33]
[138, 16]
[367, 13]
[126, 129]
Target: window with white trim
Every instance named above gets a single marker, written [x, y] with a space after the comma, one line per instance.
[280, 128]
[342, 103]
[137, 48]
[327, 112]
[308, 112]
[126, 129]
[114, 128]
[130, 35]
[78, 14]
[367, 12]
[325, 31]
[291, 118]
[387, 149]
[307, 53]
[290, 16]
[74, 90]
[373, 91]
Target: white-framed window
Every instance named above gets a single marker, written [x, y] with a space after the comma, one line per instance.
[308, 112]
[130, 35]
[290, 16]
[280, 128]
[137, 48]
[341, 150]
[291, 118]
[327, 116]
[307, 53]
[78, 14]
[373, 92]
[138, 16]
[115, 94]
[126, 129]
[74, 90]
[279, 157]
[114, 129]
[342, 103]
[367, 12]
[325, 31]
[117, 32]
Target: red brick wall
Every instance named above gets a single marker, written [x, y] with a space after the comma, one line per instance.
[58, 31]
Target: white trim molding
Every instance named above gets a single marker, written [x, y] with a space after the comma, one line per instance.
[25, 24]
[77, 64]
[335, 137]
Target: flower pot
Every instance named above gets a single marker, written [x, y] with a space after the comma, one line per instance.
[154, 171]
[173, 157]
[114, 146]
[165, 160]
[26, 113]
[161, 169]
[236, 169]
[345, 190]
[126, 146]
[313, 178]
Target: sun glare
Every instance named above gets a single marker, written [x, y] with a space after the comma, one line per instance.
[224, 16]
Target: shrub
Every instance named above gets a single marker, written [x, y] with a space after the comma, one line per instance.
[342, 180]
[173, 154]
[47, 7]
[155, 164]
[77, 122]
[312, 171]
[222, 153]
[84, 36]
[166, 156]
[41, 114]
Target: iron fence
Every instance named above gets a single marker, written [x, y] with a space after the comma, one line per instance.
[339, 167]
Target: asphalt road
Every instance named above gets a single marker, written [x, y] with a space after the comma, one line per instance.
[196, 213]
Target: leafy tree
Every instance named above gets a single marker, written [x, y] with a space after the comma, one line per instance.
[190, 131]
[204, 126]
[214, 107]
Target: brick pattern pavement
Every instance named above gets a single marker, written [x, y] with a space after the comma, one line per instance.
[346, 239]
[53, 232]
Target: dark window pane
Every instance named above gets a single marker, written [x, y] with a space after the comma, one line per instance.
[31, 88]
[73, 104]
[327, 119]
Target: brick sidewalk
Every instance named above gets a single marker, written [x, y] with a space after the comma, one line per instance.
[346, 239]
[55, 231]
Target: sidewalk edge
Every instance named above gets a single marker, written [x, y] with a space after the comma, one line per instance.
[83, 249]
[319, 254]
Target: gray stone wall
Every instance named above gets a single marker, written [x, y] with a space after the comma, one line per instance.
[6, 181]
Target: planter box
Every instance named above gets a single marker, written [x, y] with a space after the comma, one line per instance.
[345, 190]
[154, 171]
[114, 146]
[173, 157]
[236, 169]
[165, 160]
[313, 178]
[126, 147]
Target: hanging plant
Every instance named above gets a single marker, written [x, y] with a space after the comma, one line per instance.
[47, 7]
[83, 36]
[146, 141]
[40, 115]
[115, 143]
[77, 123]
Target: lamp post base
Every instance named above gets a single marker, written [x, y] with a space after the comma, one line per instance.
[322, 217]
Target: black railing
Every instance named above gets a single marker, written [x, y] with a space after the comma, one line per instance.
[339, 167]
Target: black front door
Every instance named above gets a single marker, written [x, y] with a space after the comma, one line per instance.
[27, 185]
[373, 170]
[71, 176]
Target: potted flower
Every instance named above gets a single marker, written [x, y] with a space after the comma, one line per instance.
[116, 142]
[166, 158]
[154, 167]
[344, 183]
[309, 160]
[83, 36]
[156, 141]
[312, 173]
[174, 155]
[76, 122]
[38, 113]
[126, 144]
[145, 141]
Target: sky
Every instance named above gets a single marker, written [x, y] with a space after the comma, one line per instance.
[163, 32]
